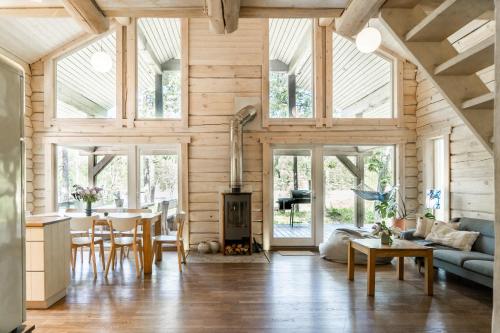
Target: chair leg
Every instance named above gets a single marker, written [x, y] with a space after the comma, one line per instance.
[141, 258]
[94, 266]
[136, 259]
[121, 255]
[90, 255]
[183, 253]
[101, 252]
[110, 259]
[179, 255]
[73, 258]
[155, 245]
[114, 259]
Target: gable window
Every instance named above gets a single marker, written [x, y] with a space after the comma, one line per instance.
[291, 93]
[362, 82]
[86, 81]
[158, 68]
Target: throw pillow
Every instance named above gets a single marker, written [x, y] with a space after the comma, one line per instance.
[445, 234]
[424, 227]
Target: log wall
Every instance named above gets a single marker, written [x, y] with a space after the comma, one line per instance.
[220, 69]
[471, 166]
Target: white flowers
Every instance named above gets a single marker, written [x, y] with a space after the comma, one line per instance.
[87, 194]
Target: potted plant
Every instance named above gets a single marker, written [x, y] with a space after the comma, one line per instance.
[88, 195]
[387, 208]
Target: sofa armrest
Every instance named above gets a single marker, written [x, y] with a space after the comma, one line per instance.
[407, 234]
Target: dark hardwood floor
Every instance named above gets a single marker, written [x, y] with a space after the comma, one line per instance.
[292, 294]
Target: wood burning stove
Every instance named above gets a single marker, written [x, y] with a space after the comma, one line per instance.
[237, 223]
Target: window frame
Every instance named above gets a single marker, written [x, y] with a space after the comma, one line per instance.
[397, 118]
[428, 168]
[317, 51]
[50, 81]
[179, 144]
[132, 80]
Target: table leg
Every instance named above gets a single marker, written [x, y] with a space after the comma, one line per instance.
[401, 268]
[147, 246]
[350, 262]
[372, 260]
[429, 275]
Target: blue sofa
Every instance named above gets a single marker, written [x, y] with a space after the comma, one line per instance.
[476, 265]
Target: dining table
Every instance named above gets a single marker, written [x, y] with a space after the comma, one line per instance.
[151, 225]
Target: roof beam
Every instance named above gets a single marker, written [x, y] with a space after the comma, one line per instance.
[356, 16]
[215, 16]
[88, 15]
[231, 10]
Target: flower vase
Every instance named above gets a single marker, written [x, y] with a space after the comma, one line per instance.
[385, 239]
[88, 210]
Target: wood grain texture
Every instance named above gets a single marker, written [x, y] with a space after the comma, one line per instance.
[291, 294]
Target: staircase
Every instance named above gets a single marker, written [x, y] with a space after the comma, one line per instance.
[423, 33]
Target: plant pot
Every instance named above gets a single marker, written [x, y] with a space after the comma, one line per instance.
[203, 247]
[214, 246]
[385, 239]
[88, 210]
[400, 224]
[119, 203]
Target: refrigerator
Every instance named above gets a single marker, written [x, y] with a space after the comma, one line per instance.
[12, 257]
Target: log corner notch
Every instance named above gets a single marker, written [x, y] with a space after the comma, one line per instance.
[88, 15]
[223, 15]
[356, 16]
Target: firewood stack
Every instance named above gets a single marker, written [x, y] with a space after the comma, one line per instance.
[236, 249]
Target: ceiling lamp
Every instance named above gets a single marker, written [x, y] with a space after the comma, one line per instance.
[101, 61]
[368, 40]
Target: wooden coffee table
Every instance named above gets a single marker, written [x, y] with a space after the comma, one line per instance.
[400, 249]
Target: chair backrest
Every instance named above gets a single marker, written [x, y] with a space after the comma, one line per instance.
[180, 219]
[123, 224]
[163, 209]
[81, 223]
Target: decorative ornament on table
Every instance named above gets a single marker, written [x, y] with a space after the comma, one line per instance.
[88, 195]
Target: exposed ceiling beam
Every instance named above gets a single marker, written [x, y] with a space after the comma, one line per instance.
[88, 15]
[356, 16]
[231, 10]
[245, 12]
[215, 16]
[325, 21]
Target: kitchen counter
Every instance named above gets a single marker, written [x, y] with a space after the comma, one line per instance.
[48, 251]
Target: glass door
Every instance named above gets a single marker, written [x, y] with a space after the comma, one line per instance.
[293, 213]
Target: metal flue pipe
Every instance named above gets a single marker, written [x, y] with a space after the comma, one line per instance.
[240, 119]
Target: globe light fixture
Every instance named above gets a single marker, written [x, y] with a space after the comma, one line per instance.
[368, 40]
[101, 62]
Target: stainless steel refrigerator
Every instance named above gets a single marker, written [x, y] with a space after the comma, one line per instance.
[12, 275]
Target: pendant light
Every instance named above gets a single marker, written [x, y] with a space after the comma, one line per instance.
[368, 40]
[101, 61]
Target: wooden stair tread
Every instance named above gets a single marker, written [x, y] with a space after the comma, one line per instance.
[485, 101]
[401, 3]
[471, 61]
[450, 16]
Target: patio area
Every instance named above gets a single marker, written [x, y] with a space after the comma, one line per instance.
[303, 230]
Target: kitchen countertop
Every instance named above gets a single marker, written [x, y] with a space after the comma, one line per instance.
[38, 221]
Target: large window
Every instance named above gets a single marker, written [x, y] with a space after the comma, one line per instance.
[158, 175]
[362, 83]
[436, 189]
[113, 169]
[291, 68]
[158, 63]
[86, 81]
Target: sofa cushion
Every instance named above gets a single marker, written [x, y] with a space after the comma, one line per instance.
[483, 267]
[486, 241]
[458, 257]
[446, 234]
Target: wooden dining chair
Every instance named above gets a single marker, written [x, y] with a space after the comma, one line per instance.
[173, 240]
[123, 225]
[90, 240]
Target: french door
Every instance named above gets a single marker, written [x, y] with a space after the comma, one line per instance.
[312, 189]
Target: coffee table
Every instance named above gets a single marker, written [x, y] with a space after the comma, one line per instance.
[400, 248]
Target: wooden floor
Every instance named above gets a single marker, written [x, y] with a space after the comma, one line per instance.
[291, 294]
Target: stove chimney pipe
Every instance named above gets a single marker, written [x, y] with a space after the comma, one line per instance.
[240, 119]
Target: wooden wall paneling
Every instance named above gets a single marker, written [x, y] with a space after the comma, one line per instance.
[185, 72]
[131, 97]
[265, 73]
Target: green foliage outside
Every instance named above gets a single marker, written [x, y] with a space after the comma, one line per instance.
[278, 98]
[171, 91]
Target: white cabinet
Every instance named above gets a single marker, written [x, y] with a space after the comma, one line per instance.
[48, 250]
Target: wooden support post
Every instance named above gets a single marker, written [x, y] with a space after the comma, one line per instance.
[159, 95]
[216, 16]
[88, 15]
[292, 90]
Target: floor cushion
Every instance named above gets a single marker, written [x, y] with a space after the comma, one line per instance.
[483, 267]
[335, 248]
[457, 257]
